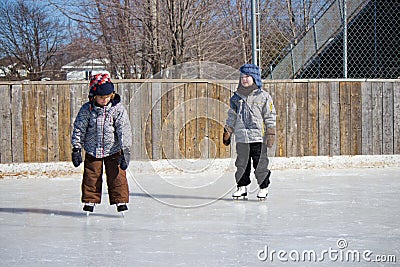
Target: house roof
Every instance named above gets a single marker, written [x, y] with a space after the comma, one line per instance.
[85, 64]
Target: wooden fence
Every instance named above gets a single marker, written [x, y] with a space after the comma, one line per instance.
[184, 118]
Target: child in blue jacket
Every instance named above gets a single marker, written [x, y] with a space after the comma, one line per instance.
[252, 118]
[103, 130]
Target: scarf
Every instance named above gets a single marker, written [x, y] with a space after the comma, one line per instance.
[245, 91]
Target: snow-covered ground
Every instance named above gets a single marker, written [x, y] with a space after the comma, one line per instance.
[333, 210]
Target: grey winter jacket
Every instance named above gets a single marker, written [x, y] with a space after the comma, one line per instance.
[248, 116]
[102, 131]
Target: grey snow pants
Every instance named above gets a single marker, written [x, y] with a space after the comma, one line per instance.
[246, 152]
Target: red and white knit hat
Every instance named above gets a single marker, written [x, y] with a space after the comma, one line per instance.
[100, 84]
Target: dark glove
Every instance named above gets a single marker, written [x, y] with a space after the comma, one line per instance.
[226, 138]
[270, 138]
[76, 156]
[124, 159]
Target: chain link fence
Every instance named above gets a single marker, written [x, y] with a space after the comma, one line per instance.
[372, 44]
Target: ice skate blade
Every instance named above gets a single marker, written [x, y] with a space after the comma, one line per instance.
[240, 198]
[262, 198]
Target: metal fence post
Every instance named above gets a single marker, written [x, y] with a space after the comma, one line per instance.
[253, 32]
[292, 58]
[316, 47]
[345, 39]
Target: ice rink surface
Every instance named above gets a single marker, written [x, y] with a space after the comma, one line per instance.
[312, 217]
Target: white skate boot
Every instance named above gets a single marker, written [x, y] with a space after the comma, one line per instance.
[241, 192]
[262, 194]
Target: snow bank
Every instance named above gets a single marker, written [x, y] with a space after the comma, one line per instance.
[178, 166]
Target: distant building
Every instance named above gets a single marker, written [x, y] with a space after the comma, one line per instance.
[82, 68]
[10, 69]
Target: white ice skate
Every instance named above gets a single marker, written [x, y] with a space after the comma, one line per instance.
[262, 194]
[241, 193]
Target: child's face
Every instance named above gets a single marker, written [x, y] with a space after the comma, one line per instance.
[246, 80]
[103, 100]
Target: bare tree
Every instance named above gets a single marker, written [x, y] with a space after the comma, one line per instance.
[292, 17]
[29, 35]
[244, 28]
[195, 30]
[307, 8]
[142, 37]
[155, 36]
[282, 22]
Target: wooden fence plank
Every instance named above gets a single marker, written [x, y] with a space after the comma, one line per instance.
[156, 120]
[377, 118]
[146, 117]
[190, 106]
[396, 118]
[167, 130]
[25, 126]
[355, 119]
[52, 102]
[292, 145]
[64, 122]
[323, 119]
[179, 121]
[334, 119]
[312, 117]
[302, 119]
[366, 113]
[41, 119]
[17, 144]
[76, 101]
[270, 88]
[281, 106]
[29, 100]
[122, 89]
[5, 124]
[387, 118]
[135, 115]
[202, 125]
[345, 109]
[213, 125]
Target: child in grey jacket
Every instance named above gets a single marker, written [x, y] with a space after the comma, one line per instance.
[103, 129]
[252, 118]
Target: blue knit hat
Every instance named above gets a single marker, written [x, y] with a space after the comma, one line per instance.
[253, 71]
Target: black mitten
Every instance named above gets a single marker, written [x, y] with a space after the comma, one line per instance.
[226, 138]
[76, 156]
[124, 159]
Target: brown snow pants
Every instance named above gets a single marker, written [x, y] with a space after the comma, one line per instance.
[117, 184]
